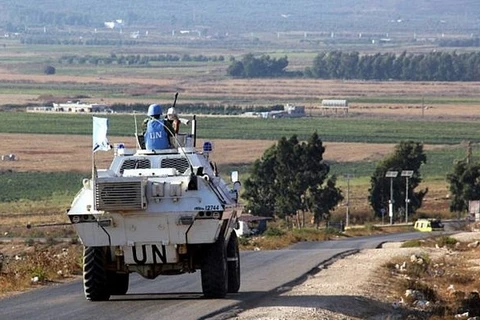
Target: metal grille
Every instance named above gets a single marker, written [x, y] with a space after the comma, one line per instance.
[119, 195]
[135, 164]
[181, 164]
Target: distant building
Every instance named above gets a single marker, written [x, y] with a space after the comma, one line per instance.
[40, 109]
[294, 111]
[79, 107]
[334, 106]
[289, 111]
[116, 24]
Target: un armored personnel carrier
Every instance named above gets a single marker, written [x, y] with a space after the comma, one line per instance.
[158, 212]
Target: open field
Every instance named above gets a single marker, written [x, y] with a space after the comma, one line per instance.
[130, 86]
[73, 153]
[442, 115]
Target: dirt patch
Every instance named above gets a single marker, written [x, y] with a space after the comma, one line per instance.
[52, 153]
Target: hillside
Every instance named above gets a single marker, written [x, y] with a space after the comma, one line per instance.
[233, 16]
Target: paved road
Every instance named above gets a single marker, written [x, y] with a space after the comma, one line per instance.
[180, 297]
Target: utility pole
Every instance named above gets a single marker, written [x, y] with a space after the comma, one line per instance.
[348, 176]
[407, 174]
[391, 175]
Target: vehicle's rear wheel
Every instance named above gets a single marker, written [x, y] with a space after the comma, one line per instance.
[233, 263]
[117, 283]
[215, 270]
[95, 284]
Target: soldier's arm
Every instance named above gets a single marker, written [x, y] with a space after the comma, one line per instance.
[144, 125]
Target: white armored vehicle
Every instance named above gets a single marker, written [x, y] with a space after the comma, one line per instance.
[158, 212]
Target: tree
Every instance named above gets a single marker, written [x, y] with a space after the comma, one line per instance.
[408, 155]
[236, 69]
[49, 70]
[464, 185]
[258, 187]
[264, 66]
[289, 178]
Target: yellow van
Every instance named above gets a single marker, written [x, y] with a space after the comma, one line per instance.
[428, 225]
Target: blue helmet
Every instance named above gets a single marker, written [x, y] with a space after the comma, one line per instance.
[154, 110]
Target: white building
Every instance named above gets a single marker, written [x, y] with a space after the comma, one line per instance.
[79, 107]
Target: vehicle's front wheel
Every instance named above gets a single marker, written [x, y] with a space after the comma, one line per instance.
[95, 284]
[215, 270]
[233, 262]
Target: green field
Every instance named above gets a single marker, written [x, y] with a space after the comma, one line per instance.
[329, 129]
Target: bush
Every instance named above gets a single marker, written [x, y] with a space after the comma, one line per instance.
[274, 232]
[411, 244]
[446, 241]
[242, 241]
[49, 70]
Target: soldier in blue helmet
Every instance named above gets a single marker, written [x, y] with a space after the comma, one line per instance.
[156, 131]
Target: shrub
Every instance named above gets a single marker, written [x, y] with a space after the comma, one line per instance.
[446, 241]
[242, 241]
[49, 70]
[411, 244]
[416, 269]
[274, 232]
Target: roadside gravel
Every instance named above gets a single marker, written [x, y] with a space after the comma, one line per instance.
[347, 289]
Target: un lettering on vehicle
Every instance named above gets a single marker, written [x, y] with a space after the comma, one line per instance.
[150, 254]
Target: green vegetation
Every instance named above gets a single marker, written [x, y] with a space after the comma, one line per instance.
[408, 155]
[329, 129]
[464, 184]
[447, 242]
[134, 59]
[433, 66]
[38, 185]
[262, 67]
[412, 243]
[291, 177]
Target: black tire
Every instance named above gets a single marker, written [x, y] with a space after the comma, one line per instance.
[117, 283]
[215, 270]
[95, 283]
[233, 263]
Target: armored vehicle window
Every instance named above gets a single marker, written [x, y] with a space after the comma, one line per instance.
[181, 164]
[135, 164]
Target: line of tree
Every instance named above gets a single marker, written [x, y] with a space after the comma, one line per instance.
[78, 42]
[264, 66]
[473, 42]
[290, 179]
[135, 59]
[434, 66]
[197, 108]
